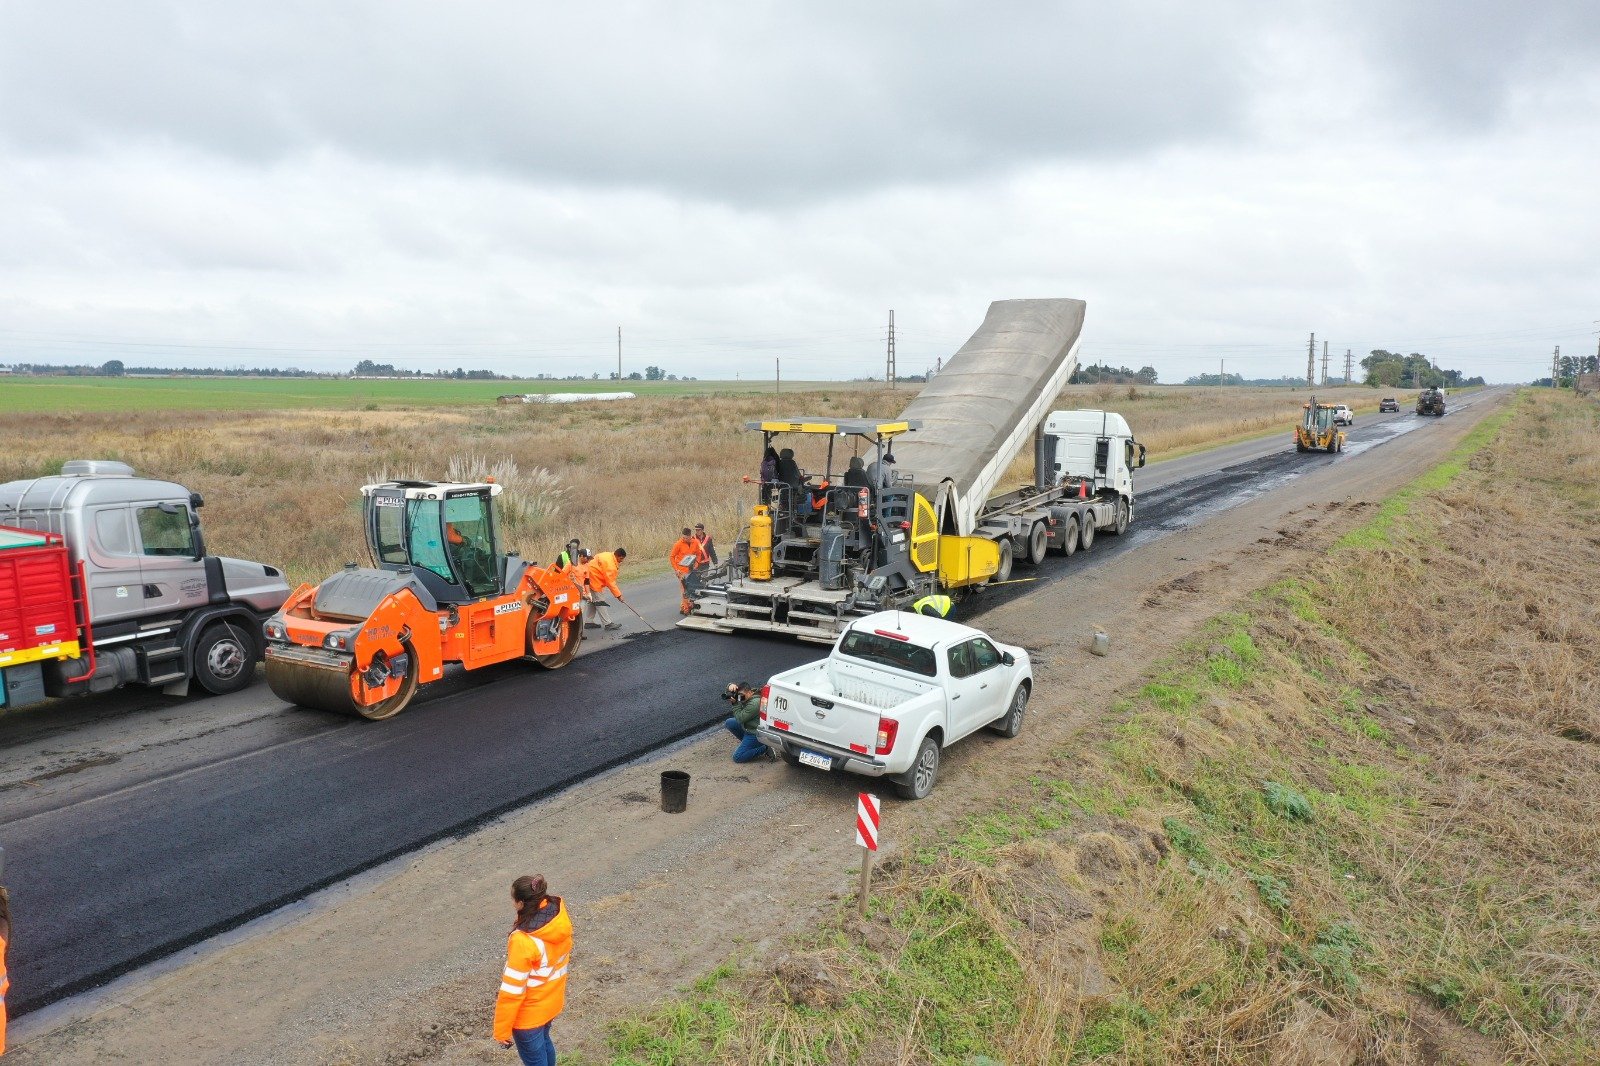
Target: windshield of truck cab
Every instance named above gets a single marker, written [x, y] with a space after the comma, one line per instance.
[886, 651]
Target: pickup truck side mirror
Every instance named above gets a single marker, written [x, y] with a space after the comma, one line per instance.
[1008, 659]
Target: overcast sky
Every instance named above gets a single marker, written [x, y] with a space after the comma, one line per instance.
[504, 184]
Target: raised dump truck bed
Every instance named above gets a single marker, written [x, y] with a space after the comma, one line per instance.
[984, 407]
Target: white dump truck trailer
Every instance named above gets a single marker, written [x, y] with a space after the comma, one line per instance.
[929, 512]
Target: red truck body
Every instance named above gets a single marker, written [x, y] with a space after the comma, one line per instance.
[38, 608]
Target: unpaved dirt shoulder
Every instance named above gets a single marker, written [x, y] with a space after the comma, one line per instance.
[405, 969]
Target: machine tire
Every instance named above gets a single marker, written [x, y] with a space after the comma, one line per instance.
[1086, 533]
[1069, 538]
[1122, 518]
[1011, 724]
[1006, 559]
[917, 782]
[224, 658]
[569, 646]
[1038, 543]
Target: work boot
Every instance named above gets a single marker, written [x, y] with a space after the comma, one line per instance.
[591, 625]
[613, 625]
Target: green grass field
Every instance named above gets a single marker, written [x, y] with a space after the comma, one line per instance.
[65, 394]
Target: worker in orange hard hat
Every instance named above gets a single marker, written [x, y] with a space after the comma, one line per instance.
[533, 986]
[686, 555]
[601, 571]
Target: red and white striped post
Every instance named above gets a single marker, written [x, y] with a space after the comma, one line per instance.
[867, 807]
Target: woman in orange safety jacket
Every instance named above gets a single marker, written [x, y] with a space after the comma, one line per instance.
[533, 988]
[5, 982]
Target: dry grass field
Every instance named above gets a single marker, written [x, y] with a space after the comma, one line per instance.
[1353, 822]
[281, 485]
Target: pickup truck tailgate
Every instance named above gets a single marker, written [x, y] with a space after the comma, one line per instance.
[801, 702]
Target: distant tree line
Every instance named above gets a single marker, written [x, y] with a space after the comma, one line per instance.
[651, 373]
[1240, 379]
[1385, 369]
[1097, 373]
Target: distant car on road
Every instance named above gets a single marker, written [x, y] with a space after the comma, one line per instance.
[1343, 416]
[1388, 403]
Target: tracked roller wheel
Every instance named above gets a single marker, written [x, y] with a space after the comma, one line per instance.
[329, 690]
[570, 640]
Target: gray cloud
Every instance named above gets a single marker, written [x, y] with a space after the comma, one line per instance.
[740, 102]
[499, 185]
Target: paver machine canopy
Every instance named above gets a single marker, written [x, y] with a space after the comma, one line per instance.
[443, 589]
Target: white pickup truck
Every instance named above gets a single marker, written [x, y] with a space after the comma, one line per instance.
[896, 689]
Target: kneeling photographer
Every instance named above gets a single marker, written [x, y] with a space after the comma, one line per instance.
[746, 716]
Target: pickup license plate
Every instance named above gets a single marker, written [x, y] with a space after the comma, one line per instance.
[811, 758]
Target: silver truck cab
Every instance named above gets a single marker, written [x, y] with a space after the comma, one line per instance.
[162, 611]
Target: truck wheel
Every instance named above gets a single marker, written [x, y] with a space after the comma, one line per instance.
[1086, 534]
[1069, 539]
[918, 781]
[1038, 543]
[1122, 518]
[224, 658]
[1011, 724]
[1004, 573]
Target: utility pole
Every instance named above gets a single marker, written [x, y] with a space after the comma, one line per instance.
[777, 384]
[1324, 364]
[1555, 368]
[1221, 366]
[888, 372]
[1347, 366]
[619, 356]
[1311, 361]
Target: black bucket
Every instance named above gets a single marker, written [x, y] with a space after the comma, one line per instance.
[674, 791]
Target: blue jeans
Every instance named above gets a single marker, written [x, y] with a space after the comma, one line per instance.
[534, 1046]
[750, 749]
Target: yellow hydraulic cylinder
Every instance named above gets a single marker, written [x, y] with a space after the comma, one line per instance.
[761, 543]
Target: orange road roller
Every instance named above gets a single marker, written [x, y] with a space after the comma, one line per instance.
[443, 590]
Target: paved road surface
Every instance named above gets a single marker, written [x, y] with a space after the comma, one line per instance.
[135, 825]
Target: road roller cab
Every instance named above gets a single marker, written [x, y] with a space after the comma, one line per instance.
[443, 589]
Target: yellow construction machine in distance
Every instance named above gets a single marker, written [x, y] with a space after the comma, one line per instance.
[1317, 430]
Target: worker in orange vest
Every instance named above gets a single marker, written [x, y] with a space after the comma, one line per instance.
[5, 982]
[602, 575]
[687, 554]
[533, 988]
